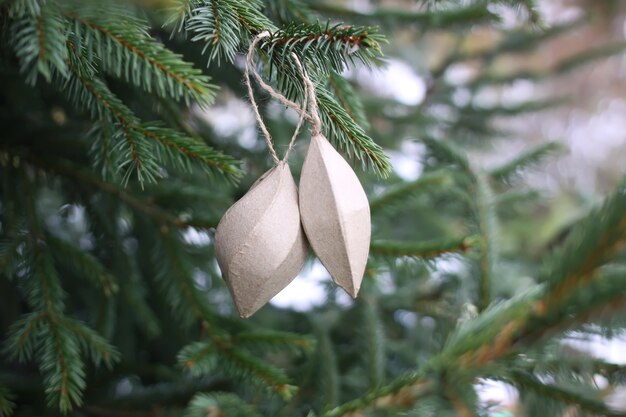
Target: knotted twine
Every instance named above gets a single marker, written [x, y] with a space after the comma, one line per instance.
[309, 99]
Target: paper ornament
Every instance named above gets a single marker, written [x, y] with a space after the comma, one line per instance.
[335, 214]
[259, 243]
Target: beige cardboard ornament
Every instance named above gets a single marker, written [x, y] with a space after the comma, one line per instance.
[259, 243]
[335, 214]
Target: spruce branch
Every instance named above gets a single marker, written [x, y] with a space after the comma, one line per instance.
[69, 170]
[218, 404]
[124, 48]
[326, 48]
[578, 398]
[63, 369]
[136, 145]
[533, 156]
[398, 193]
[424, 250]
[202, 358]
[10, 248]
[23, 339]
[98, 348]
[487, 225]
[7, 406]
[274, 340]
[56, 341]
[372, 332]
[348, 98]
[404, 391]
[39, 43]
[23, 8]
[82, 262]
[216, 25]
[188, 302]
[287, 11]
[347, 134]
[484, 207]
[590, 245]
[458, 16]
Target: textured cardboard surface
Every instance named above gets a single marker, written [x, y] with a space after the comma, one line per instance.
[259, 243]
[335, 214]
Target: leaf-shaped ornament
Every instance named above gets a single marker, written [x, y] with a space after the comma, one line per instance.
[259, 243]
[335, 214]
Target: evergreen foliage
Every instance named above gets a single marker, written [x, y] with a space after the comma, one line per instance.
[111, 182]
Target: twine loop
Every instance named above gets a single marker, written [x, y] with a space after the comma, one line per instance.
[309, 100]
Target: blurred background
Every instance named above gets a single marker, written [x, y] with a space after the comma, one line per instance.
[553, 74]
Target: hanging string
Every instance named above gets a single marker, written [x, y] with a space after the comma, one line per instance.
[266, 134]
[309, 90]
[309, 100]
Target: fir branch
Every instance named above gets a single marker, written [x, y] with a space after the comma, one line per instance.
[7, 406]
[21, 8]
[39, 43]
[345, 133]
[84, 263]
[133, 290]
[51, 337]
[272, 340]
[23, 336]
[69, 170]
[487, 224]
[372, 332]
[202, 358]
[125, 49]
[175, 144]
[446, 153]
[490, 335]
[61, 365]
[44, 291]
[9, 251]
[218, 404]
[187, 301]
[589, 55]
[98, 348]
[578, 398]
[326, 48]
[597, 299]
[404, 391]
[216, 25]
[251, 16]
[326, 367]
[287, 11]
[133, 151]
[405, 190]
[136, 143]
[424, 250]
[582, 366]
[460, 16]
[531, 157]
[348, 98]
[590, 245]
[177, 12]
[242, 364]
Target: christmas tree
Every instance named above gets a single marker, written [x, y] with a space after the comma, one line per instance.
[122, 147]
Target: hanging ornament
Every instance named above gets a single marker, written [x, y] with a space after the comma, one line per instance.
[335, 214]
[259, 243]
[334, 209]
